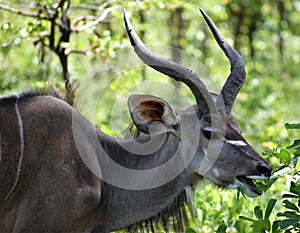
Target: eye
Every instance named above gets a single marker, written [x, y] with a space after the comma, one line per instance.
[210, 134]
[207, 134]
[176, 127]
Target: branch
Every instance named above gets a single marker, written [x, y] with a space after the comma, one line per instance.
[76, 52]
[97, 21]
[93, 7]
[84, 19]
[52, 36]
[24, 13]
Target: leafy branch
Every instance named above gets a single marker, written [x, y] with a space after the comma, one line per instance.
[96, 20]
[38, 14]
[289, 220]
[57, 36]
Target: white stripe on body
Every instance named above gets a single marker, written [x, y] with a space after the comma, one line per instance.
[21, 135]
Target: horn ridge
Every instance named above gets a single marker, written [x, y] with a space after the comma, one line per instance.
[237, 75]
[205, 103]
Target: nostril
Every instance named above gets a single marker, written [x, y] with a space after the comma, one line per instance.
[265, 169]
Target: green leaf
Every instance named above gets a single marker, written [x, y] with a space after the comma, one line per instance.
[265, 185]
[297, 151]
[190, 230]
[289, 214]
[258, 212]
[246, 218]
[222, 228]
[287, 195]
[295, 144]
[266, 224]
[275, 226]
[270, 207]
[287, 222]
[240, 190]
[261, 225]
[284, 156]
[295, 188]
[257, 227]
[290, 205]
[292, 126]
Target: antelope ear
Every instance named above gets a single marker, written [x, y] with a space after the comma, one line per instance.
[146, 109]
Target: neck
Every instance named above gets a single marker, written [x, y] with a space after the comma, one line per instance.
[140, 196]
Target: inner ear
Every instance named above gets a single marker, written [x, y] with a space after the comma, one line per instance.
[146, 109]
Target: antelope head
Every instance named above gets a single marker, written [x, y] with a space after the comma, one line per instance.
[236, 162]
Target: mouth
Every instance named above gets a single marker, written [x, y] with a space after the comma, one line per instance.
[247, 186]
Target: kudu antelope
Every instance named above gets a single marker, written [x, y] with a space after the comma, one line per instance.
[47, 186]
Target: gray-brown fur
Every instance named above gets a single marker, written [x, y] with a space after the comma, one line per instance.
[49, 178]
[48, 164]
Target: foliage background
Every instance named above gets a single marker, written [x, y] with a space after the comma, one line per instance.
[266, 33]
